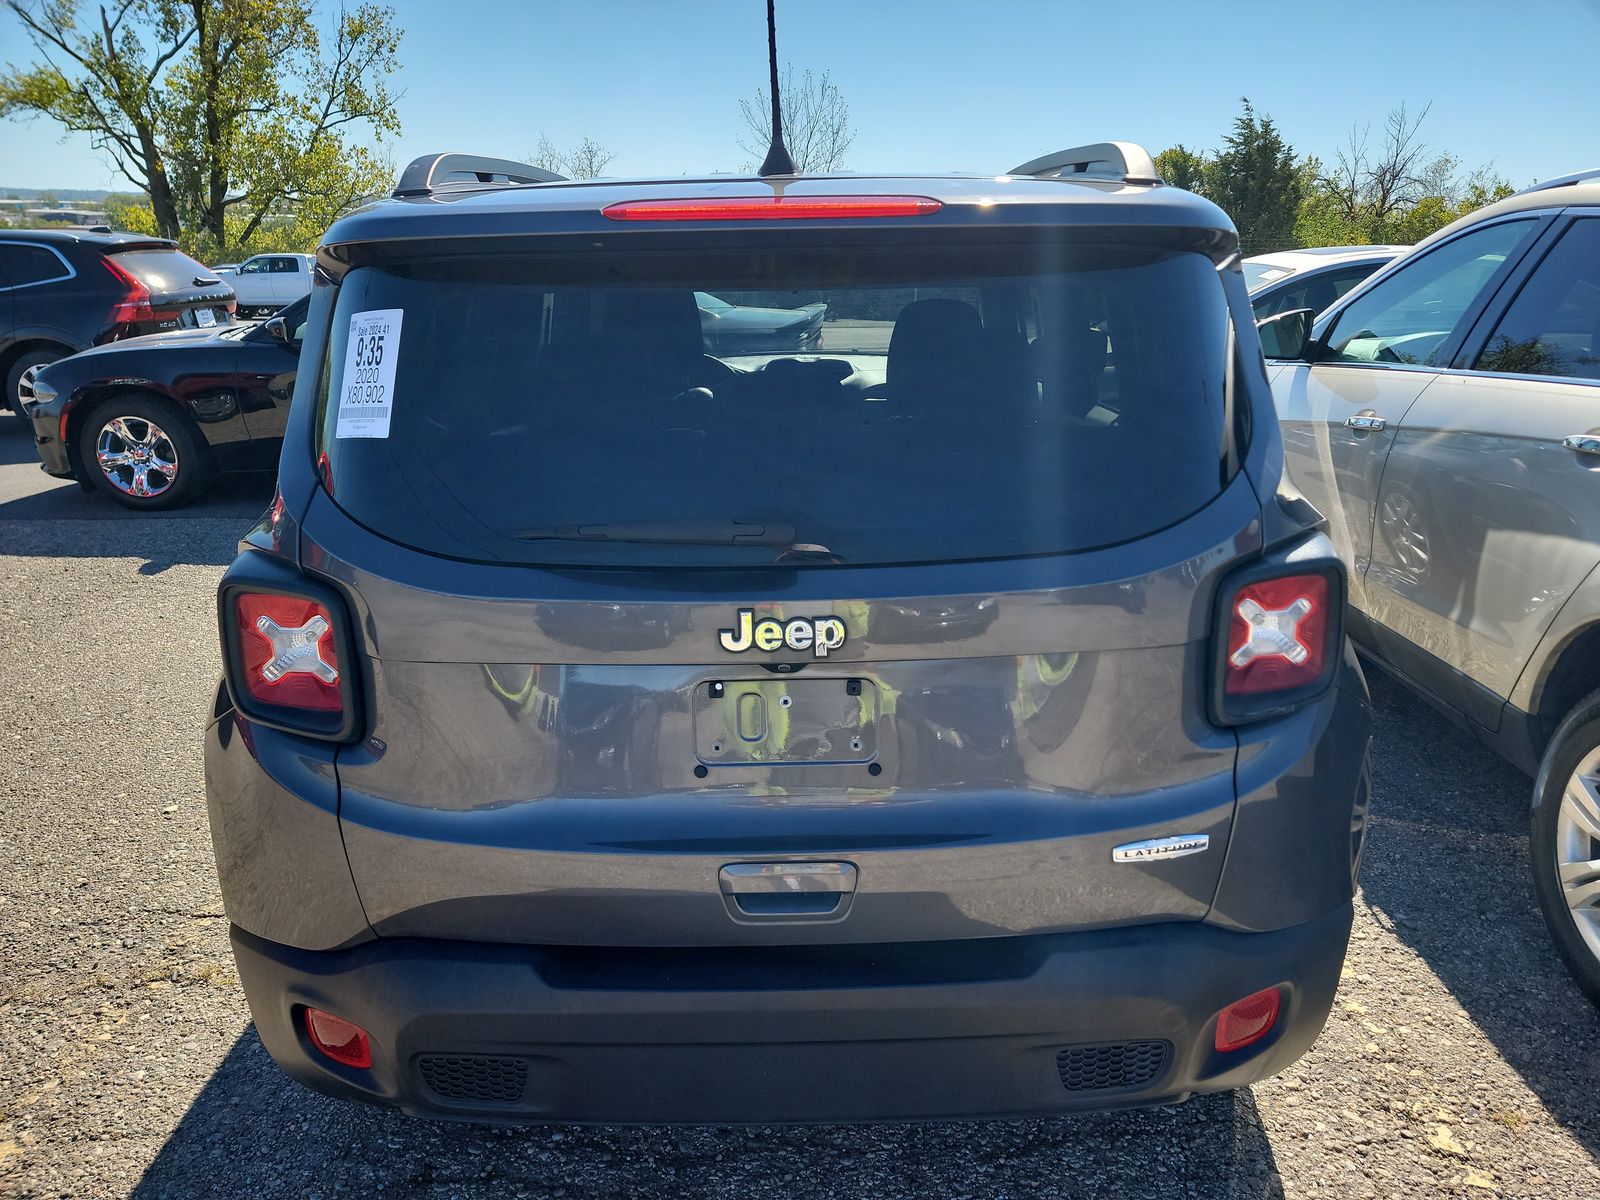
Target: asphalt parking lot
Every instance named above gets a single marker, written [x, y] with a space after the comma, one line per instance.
[1459, 1060]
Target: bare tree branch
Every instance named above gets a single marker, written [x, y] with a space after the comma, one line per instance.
[816, 122]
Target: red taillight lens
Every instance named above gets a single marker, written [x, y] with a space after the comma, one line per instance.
[772, 208]
[287, 652]
[1278, 635]
[135, 302]
[1247, 1021]
[343, 1041]
[135, 308]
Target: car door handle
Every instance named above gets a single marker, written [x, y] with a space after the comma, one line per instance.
[1365, 422]
[1583, 443]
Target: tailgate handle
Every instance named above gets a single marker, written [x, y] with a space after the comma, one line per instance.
[743, 879]
[787, 891]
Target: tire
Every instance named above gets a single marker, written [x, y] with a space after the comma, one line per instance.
[19, 379]
[156, 458]
[1565, 831]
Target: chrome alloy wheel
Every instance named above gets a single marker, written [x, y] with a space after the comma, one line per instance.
[1404, 531]
[136, 456]
[1577, 849]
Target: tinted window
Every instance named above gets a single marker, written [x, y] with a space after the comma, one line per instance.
[163, 270]
[22, 264]
[285, 266]
[586, 390]
[1553, 326]
[1317, 292]
[1407, 317]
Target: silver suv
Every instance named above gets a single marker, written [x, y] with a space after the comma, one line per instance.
[621, 725]
[1445, 417]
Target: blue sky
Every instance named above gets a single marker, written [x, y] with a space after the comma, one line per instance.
[974, 85]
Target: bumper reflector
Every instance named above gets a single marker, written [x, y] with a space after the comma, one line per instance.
[1247, 1021]
[343, 1041]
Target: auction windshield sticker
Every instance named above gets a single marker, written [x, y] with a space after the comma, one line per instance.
[366, 395]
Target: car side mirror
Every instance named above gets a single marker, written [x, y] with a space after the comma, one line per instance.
[278, 330]
[1286, 334]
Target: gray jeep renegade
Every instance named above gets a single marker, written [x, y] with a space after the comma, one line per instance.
[949, 717]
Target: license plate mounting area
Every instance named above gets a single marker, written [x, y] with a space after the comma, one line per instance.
[786, 720]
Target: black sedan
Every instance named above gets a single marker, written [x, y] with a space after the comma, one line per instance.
[150, 421]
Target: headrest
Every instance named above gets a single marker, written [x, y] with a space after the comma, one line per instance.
[932, 337]
[660, 326]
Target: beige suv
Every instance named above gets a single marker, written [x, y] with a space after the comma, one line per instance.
[1445, 417]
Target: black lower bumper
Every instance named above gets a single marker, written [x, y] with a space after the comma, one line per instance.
[999, 1027]
[52, 451]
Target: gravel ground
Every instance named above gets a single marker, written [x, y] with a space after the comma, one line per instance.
[1459, 1059]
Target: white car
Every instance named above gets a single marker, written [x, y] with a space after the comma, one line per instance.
[1313, 278]
[265, 283]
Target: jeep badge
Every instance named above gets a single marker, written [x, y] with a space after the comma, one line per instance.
[817, 634]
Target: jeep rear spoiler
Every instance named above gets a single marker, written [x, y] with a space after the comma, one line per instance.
[427, 174]
[1125, 161]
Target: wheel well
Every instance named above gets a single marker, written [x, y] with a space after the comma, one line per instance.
[16, 350]
[1575, 673]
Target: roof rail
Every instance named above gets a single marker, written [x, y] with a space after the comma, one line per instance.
[1127, 161]
[427, 174]
[1562, 181]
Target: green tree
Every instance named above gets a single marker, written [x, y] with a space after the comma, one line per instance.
[1183, 168]
[1396, 189]
[130, 212]
[227, 113]
[1256, 179]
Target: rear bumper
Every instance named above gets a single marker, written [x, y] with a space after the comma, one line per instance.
[796, 1034]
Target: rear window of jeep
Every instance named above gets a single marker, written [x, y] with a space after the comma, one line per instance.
[720, 403]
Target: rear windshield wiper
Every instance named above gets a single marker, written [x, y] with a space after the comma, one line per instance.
[683, 533]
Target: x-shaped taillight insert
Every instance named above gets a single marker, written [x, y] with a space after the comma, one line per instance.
[296, 650]
[1273, 631]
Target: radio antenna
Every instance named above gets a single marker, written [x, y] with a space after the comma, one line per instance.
[777, 161]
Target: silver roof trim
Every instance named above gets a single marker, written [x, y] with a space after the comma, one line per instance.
[1127, 161]
[430, 172]
[1562, 181]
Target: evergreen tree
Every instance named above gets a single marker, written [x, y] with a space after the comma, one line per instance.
[1257, 181]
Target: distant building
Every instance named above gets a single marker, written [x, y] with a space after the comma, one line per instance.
[66, 216]
[17, 211]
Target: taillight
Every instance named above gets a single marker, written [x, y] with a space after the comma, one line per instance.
[286, 646]
[135, 307]
[771, 208]
[1279, 638]
[343, 1041]
[288, 654]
